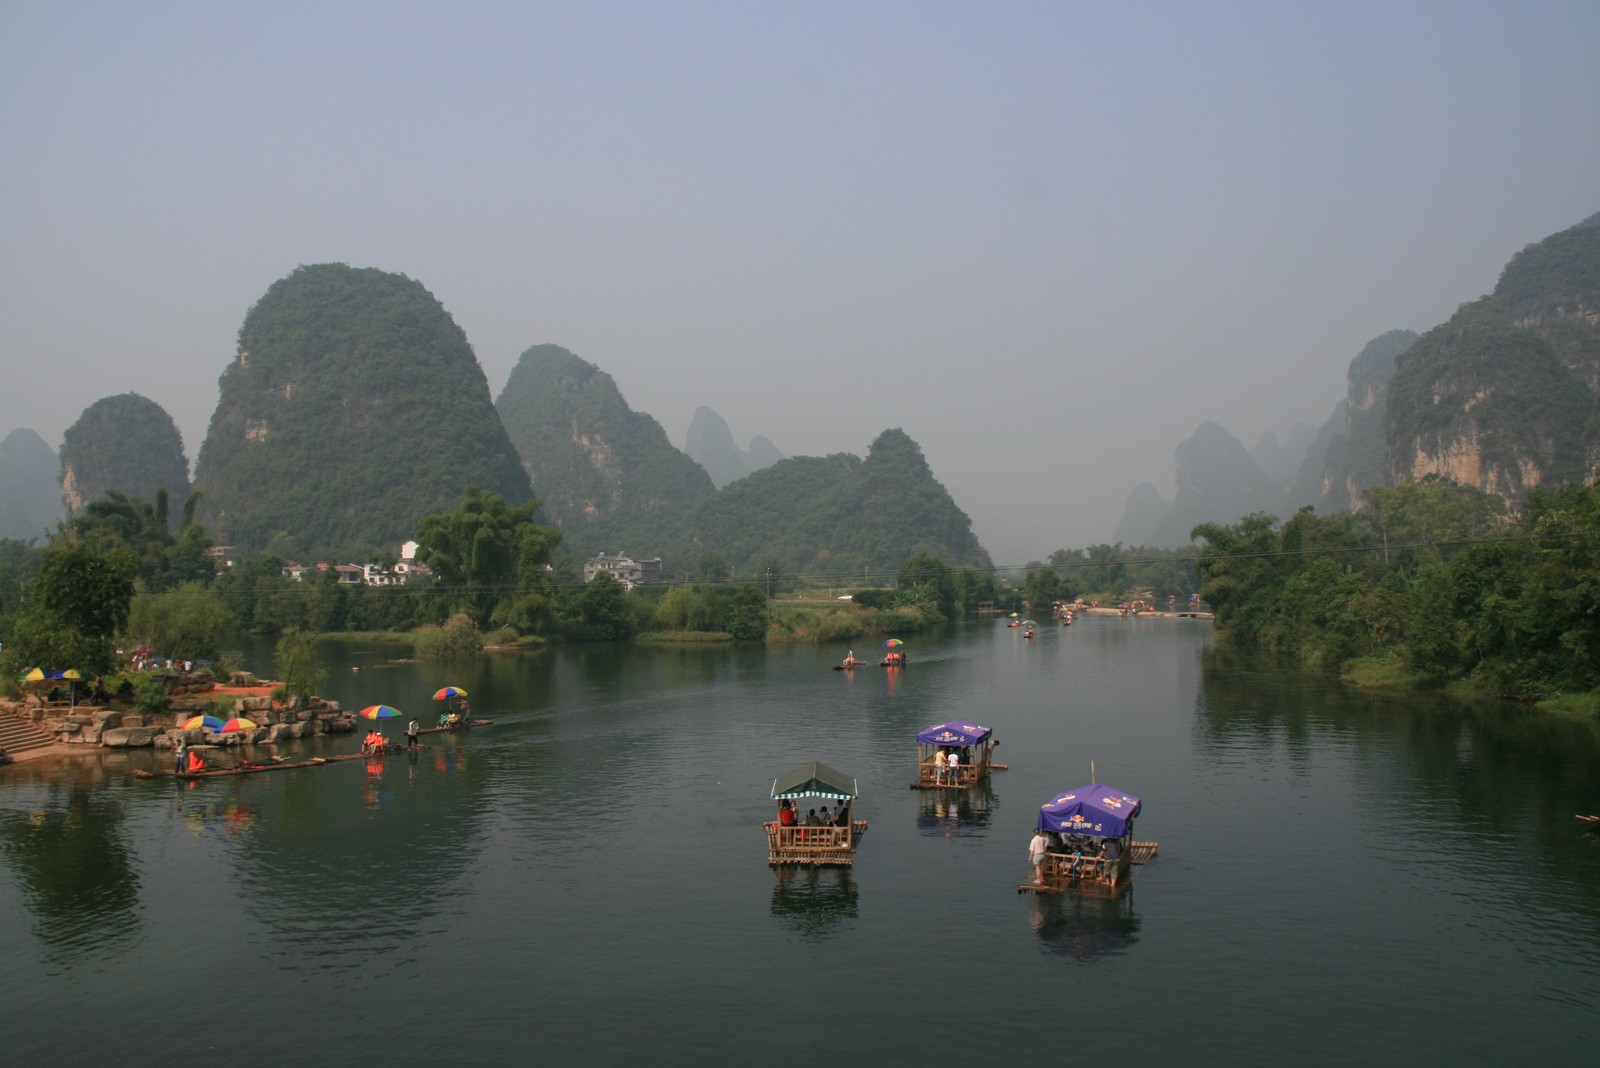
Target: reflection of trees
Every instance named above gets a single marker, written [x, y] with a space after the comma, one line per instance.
[78, 879]
[956, 813]
[813, 902]
[1492, 765]
[324, 867]
[1084, 927]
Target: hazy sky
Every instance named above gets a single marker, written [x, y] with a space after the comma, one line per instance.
[1046, 239]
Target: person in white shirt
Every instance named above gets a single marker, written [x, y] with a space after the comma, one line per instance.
[1036, 851]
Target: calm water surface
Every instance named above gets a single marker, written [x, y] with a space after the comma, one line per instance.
[1341, 879]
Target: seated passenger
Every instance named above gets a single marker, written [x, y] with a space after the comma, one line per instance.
[787, 817]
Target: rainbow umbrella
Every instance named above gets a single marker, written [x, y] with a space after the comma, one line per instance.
[238, 723]
[892, 642]
[381, 712]
[1013, 615]
[448, 692]
[36, 675]
[202, 723]
[1027, 622]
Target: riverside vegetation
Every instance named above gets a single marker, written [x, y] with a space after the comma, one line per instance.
[1432, 583]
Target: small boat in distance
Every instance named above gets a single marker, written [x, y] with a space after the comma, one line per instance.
[791, 839]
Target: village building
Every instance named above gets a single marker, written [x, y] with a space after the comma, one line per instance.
[628, 572]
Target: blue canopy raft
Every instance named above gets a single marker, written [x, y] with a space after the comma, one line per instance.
[971, 745]
[1091, 850]
[807, 840]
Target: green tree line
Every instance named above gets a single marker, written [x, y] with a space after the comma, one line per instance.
[1430, 574]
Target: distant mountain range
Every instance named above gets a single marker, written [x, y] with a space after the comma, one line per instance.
[604, 473]
[354, 406]
[30, 486]
[612, 481]
[711, 444]
[1503, 396]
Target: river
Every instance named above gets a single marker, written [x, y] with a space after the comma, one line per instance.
[1342, 877]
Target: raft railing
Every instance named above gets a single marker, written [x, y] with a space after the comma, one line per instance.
[813, 845]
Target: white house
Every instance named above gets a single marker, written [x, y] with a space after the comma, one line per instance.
[627, 571]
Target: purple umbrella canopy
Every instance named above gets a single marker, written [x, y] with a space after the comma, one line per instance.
[956, 732]
[1097, 810]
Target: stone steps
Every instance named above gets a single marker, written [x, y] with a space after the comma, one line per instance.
[18, 735]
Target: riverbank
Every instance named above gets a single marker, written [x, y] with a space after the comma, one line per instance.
[1389, 674]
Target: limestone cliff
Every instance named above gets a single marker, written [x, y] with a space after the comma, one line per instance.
[605, 474]
[352, 408]
[1503, 396]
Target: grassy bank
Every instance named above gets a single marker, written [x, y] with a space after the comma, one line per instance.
[685, 637]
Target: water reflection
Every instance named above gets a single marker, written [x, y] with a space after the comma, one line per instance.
[814, 902]
[956, 813]
[77, 877]
[1083, 927]
[352, 887]
[202, 815]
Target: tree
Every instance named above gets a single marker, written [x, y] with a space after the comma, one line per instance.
[688, 608]
[73, 608]
[600, 612]
[925, 569]
[165, 560]
[298, 664]
[188, 623]
[491, 559]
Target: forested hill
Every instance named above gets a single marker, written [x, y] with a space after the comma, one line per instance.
[838, 514]
[126, 443]
[606, 475]
[1503, 396]
[354, 406]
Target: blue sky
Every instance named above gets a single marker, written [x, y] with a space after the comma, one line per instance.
[1047, 240]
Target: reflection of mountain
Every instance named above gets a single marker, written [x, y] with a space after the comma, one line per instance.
[78, 879]
[1084, 927]
[813, 902]
[956, 813]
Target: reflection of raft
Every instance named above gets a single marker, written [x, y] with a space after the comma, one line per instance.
[276, 765]
[466, 724]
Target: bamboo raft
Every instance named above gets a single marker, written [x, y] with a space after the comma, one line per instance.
[1091, 876]
[813, 846]
[277, 764]
[466, 724]
[969, 775]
